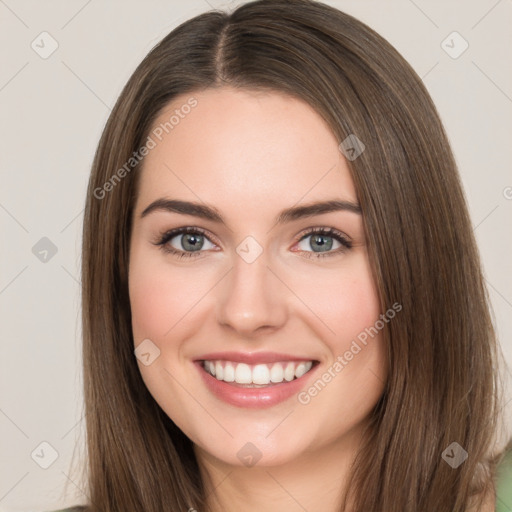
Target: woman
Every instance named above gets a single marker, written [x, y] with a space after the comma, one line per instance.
[283, 305]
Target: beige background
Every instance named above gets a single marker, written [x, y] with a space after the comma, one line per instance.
[52, 113]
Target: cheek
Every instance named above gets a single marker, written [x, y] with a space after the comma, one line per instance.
[160, 295]
[151, 306]
[355, 370]
[356, 305]
[345, 301]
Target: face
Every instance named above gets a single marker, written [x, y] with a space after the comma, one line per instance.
[254, 284]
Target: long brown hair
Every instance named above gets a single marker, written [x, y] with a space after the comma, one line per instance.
[441, 388]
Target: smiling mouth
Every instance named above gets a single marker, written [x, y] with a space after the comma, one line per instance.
[257, 375]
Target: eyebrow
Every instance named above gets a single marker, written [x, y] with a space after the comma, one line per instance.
[288, 215]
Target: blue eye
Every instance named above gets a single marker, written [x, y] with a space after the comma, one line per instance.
[191, 242]
[324, 239]
[190, 239]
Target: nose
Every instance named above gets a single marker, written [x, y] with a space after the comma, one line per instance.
[251, 299]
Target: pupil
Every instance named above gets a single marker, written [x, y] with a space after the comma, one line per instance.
[320, 241]
[192, 242]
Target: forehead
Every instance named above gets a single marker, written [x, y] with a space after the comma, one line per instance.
[243, 150]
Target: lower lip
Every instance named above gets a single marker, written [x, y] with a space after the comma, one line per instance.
[253, 397]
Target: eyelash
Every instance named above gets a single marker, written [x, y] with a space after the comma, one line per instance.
[330, 232]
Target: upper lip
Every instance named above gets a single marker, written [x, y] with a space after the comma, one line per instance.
[252, 357]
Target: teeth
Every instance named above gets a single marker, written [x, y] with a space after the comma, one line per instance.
[229, 372]
[289, 372]
[301, 370]
[242, 373]
[219, 370]
[277, 373]
[259, 374]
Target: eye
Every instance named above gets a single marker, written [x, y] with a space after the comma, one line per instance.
[321, 241]
[190, 242]
[184, 242]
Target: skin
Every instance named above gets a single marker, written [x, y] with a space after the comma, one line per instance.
[250, 155]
